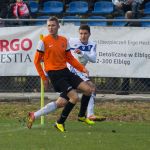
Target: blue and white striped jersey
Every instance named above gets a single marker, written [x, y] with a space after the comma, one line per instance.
[88, 54]
[88, 51]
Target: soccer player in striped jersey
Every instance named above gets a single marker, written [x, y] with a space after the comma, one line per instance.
[84, 50]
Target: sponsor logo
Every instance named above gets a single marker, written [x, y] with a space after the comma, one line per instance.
[50, 46]
[15, 45]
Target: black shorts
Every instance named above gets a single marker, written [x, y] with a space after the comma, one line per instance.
[64, 80]
[64, 95]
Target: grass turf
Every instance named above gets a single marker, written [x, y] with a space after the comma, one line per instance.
[127, 128]
[107, 135]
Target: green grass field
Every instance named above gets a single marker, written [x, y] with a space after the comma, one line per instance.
[127, 128]
[104, 135]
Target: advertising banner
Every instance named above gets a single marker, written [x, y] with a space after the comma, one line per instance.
[121, 51]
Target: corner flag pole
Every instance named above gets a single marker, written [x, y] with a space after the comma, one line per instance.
[42, 90]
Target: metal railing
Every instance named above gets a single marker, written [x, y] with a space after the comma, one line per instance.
[81, 20]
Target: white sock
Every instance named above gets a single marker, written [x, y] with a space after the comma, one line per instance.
[90, 108]
[50, 107]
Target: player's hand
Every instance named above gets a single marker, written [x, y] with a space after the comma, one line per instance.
[77, 51]
[86, 72]
[46, 84]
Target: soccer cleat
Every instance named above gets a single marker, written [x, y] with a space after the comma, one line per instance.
[86, 120]
[30, 119]
[59, 127]
[96, 118]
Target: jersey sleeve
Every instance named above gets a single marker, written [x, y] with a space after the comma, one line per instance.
[40, 46]
[38, 58]
[74, 62]
[68, 46]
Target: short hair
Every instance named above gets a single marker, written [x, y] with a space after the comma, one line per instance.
[53, 18]
[85, 27]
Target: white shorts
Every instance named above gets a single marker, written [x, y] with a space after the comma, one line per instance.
[80, 74]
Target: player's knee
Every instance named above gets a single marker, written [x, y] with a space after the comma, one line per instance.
[61, 103]
[73, 96]
[74, 99]
[94, 89]
[92, 86]
[88, 91]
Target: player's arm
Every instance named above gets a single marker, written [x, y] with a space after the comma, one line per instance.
[38, 58]
[88, 56]
[37, 62]
[75, 63]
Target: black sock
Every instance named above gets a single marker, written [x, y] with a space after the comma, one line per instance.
[67, 109]
[84, 103]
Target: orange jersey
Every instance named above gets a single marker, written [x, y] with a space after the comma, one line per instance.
[55, 53]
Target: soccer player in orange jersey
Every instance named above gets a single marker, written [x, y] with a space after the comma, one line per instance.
[54, 50]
